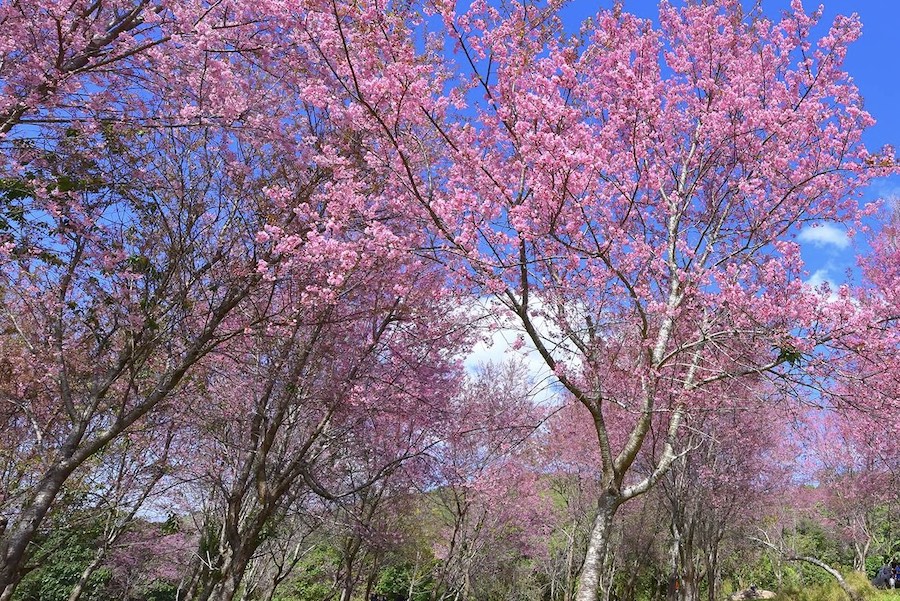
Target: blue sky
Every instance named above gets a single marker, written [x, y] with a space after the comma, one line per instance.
[873, 63]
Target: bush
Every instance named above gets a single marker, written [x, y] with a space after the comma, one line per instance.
[831, 591]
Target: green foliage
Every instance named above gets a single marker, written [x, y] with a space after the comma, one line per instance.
[811, 538]
[788, 354]
[160, 591]
[831, 591]
[312, 579]
[15, 188]
[860, 583]
[69, 554]
[823, 592]
[172, 525]
[12, 212]
[393, 582]
[873, 565]
[764, 573]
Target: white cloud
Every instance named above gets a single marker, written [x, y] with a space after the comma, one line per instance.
[819, 277]
[826, 234]
[502, 330]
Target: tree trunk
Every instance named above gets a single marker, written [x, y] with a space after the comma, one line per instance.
[220, 582]
[414, 578]
[848, 590]
[16, 540]
[689, 576]
[570, 564]
[229, 587]
[862, 552]
[350, 551]
[7, 593]
[628, 590]
[609, 577]
[712, 574]
[370, 581]
[232, 575]
[673, 591]
[78, 589]
[589, 581]
[690, 583]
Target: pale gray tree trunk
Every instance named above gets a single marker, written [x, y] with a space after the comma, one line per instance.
[594, 558]
[848, 590]
[78, 589]
[14, 544]
[570, 564]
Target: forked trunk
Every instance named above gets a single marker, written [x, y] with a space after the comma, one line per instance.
[233, 574]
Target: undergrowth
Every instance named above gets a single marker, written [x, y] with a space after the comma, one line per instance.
[832, 592]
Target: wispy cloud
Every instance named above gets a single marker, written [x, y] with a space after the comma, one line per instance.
[822, 276]
[819, 277]
[826, 234]
[506, 341]
[884, 189]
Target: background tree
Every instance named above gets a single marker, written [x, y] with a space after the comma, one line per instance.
[147, 228]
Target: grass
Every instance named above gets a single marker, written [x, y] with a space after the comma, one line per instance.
[832, 592]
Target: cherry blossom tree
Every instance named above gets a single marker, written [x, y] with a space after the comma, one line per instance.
[331, 395]
[857, 455]
[859, 484]
[488, 495]
[58, 59]
[570, 459]
[271, 194]
[150, 556]
[631, 196]
[160, 182]
[740, 461]
[130, 477]
[108, 299]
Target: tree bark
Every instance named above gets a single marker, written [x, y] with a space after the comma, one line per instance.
[373, 576]
[351, 549]
[14, 545]
[570, 564]
[862, 552]
[589, 582]
[712, 574]
[78, 589]
[848, 590]
[226, 587]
